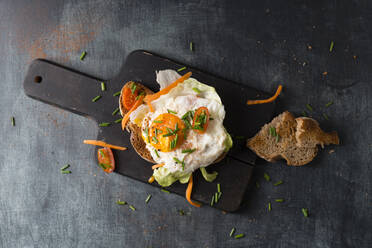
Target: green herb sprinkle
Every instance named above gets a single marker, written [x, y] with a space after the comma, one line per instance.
[96, 98]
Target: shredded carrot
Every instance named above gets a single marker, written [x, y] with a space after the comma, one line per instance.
[104, 144]
[150, 106]
[271, 99]
[151, 179]
[188, 193]
[126, 116]
[164, 91]
[157, 166]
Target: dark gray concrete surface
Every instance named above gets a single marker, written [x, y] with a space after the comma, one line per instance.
[258, 43]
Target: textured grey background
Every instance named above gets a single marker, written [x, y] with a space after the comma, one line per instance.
[258, 43]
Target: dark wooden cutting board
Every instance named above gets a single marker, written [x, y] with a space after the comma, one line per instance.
[74, 91]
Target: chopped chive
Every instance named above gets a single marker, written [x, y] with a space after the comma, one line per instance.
[65, 172]
[133, 87]
[304, 113]
[212, 200]
[269, 206]
[170, 130]
[176, 128]
[118, 120]
[121, 202]
[186, 115]
[196, 90]
[103, 86]
[146, 131]
[139, 95]
[187, 123]
[308, 106]
[325, 117]
[239, 236]
[189, 150]
[102, 153]
[272, 131]
[82, 56]
[279, 200]
[158, 121]
[115, 111]
[168, 134]
[257, 185]
[156, 152]
[267, 177]
[65, 167]
[191, 47]
[104, 124]
[183, 164]
[218, 187]
[216, 197]
[172, 144]
[331, 46]
[277, 138]
[181, 69]
[117, 93]
[13, 121]
[219, 195]
[156, 132]
[155, 140]
[171, 111]
[305, 212]
[148, 198]
[278, 183]
[329, 104]
[166, 191]
[96, 98]
[177, 160]
[232, 231]
[132, 208]
[181, 212]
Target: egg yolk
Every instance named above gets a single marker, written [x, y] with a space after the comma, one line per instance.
[166, 132]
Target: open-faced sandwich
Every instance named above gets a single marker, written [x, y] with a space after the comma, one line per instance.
[179, 129]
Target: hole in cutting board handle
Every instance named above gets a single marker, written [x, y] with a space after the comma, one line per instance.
[38, 79]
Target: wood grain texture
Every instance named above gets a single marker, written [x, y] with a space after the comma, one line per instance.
[260, 43]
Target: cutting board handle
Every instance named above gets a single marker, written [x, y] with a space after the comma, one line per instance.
[63, 87]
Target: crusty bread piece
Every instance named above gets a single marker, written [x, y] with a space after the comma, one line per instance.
[309, 134]
[296, 142]
[136, 140]
[135, 131]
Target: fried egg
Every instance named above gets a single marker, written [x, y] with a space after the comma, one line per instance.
[167, 131]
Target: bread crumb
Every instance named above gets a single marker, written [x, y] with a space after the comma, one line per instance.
[325, 73]
[309, 47]
[354, 57]
[331, 151]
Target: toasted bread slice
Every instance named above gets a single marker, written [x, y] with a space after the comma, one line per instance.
[135, 131]
[136, 140]
[295, 139]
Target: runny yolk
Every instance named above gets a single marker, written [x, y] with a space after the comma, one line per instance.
[166, 132]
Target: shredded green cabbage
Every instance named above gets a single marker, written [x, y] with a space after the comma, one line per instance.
[209, 177]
